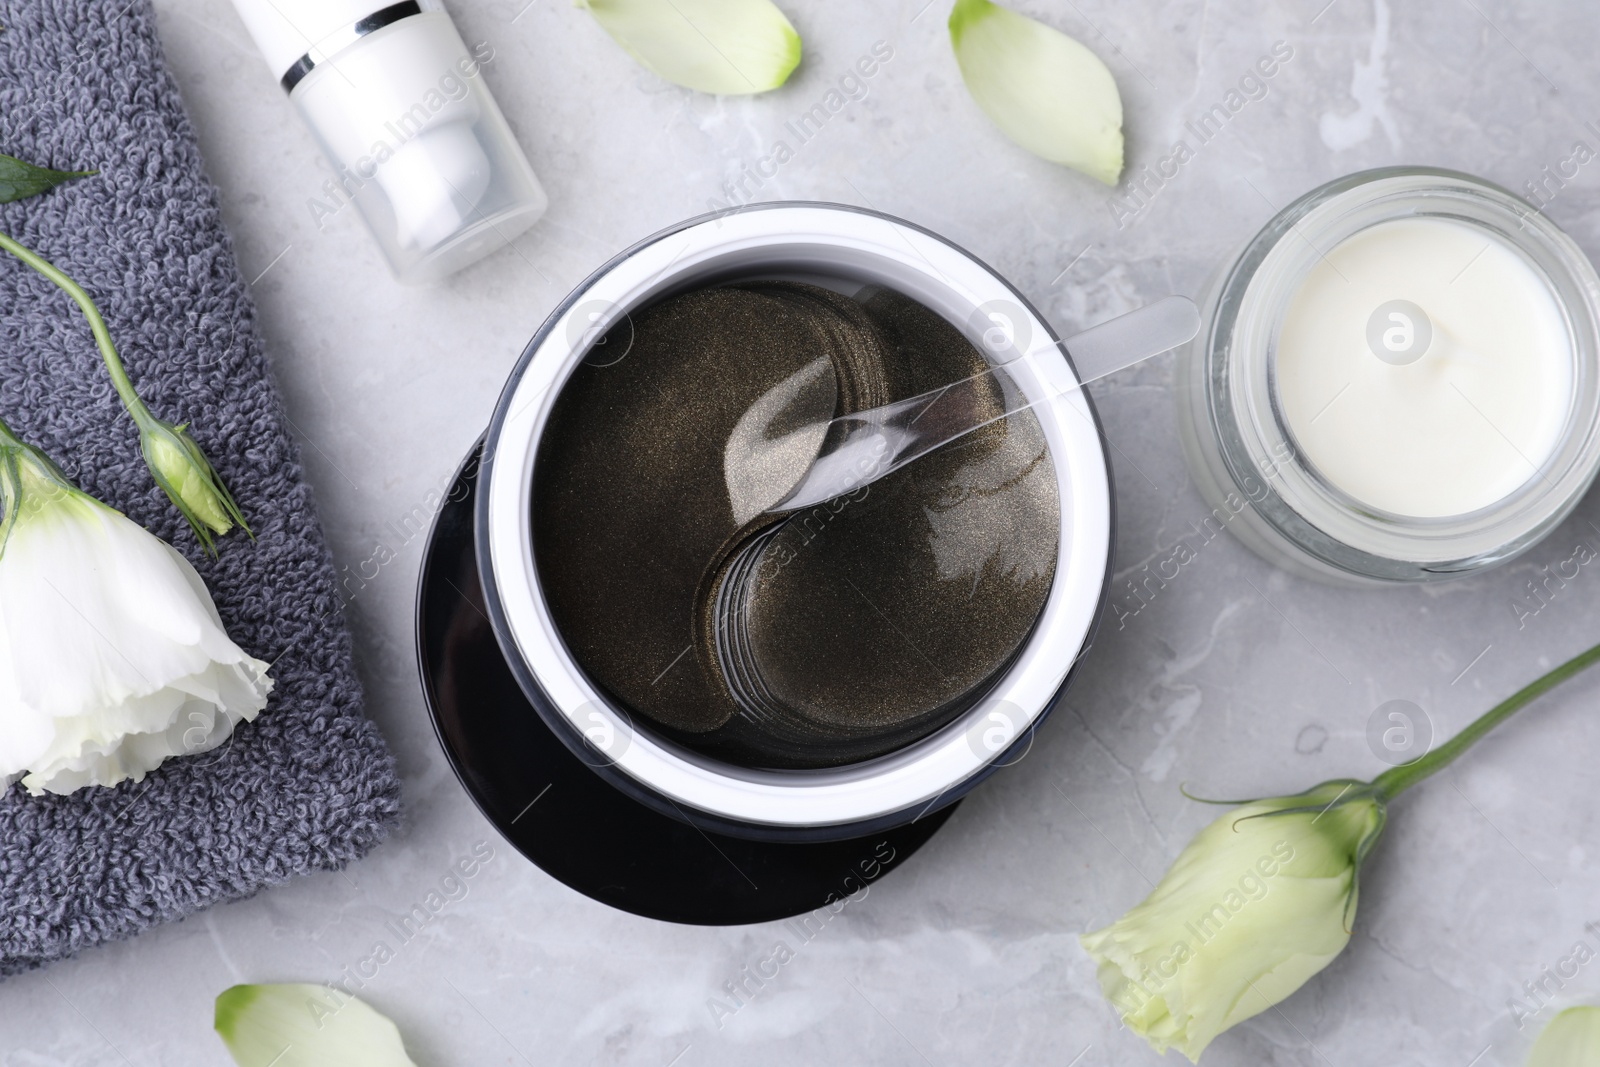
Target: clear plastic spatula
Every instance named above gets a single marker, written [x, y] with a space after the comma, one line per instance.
[867, 445]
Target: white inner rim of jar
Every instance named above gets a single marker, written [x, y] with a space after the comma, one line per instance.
[1252, 355]
[872, 250]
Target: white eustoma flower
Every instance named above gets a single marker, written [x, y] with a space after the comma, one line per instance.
[112, 655]
[1259, 901]
[1264, 897]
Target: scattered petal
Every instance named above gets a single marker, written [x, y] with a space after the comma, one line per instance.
[1571, 1040]
[302, 1025]
[1046, 91]
[715, 46]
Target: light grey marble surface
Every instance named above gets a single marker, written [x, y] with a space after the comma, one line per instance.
[1236, 679]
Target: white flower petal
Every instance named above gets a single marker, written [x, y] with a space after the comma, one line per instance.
[1571, 1040]
[112, 655]
[100, 601]
[299, 1025]
[714, 46]
[1046, 91]
[137, 737]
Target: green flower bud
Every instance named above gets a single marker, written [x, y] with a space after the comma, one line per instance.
[176, 462]
[1259, 901]
[185, 475]
[1571, 1040]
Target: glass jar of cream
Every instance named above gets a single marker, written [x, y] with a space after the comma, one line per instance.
[1398, 380]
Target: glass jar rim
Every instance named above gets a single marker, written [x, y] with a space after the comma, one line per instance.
[1257, 445]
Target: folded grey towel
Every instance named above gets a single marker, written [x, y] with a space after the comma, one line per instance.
[310, 784]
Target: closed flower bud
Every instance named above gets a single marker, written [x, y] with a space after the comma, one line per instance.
[1259, 901]
[176, 462]
[184, 474]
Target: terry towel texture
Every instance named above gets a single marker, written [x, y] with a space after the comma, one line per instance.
[310, 784]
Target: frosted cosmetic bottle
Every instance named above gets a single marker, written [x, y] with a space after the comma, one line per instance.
[398, 103]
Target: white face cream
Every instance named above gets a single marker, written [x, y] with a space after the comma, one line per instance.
[1424, 367]
[1398, 380]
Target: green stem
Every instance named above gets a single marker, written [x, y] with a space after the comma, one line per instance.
[102, 335]
[1393, 782]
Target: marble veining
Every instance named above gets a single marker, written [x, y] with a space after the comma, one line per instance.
[1229, 678]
